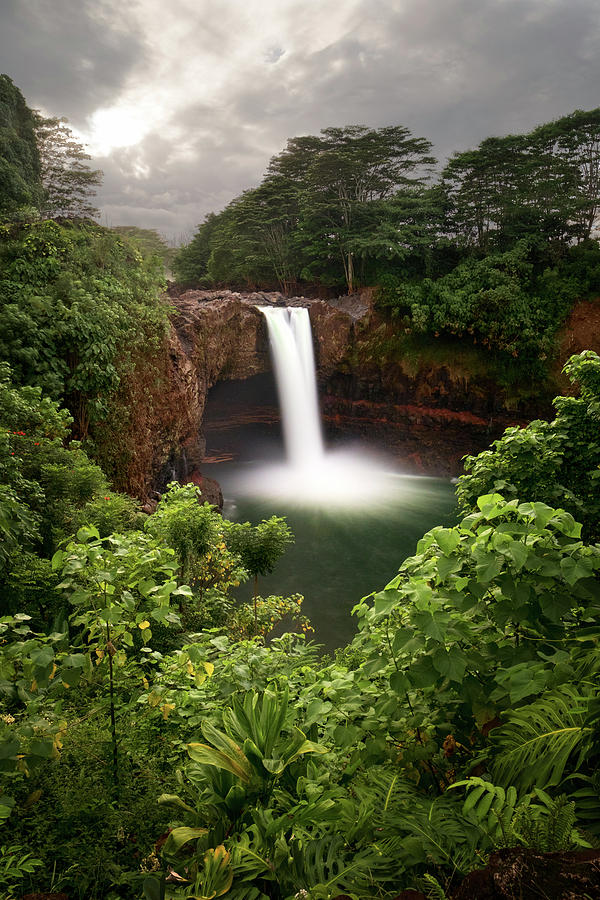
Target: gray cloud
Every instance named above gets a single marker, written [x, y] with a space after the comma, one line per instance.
[188, 104]
[67, 56]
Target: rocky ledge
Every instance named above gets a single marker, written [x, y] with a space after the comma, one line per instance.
[371, 381]
[222, 336]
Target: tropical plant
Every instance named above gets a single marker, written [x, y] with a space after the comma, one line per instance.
[259, 548]
[556, 462]
[118, 585]
[15, 864]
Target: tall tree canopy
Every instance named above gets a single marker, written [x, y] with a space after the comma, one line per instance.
[353, 204]
[318, 209]
[543, 185]
[69, 185]
[19, 156]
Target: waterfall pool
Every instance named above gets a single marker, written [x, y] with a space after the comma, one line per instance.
[340, 555]
[354, 514]
[341, 552]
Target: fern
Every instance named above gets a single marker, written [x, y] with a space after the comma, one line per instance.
[549, 826]
[381, 797]
[433, 889]
[490, 807]
[587, 801]
[537, 743]
[412, 828]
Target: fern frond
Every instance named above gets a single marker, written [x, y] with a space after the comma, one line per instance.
[433, 889]
[586, 797]
[560, 825]
[381, 799]
[536, 744]
[488, 806]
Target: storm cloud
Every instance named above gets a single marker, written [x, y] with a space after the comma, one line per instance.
[183, 104]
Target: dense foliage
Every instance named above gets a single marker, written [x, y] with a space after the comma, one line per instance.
[557, 462]
[149, 243]
[76, 302]
[149, 729]
[20, 185]
[156, 738]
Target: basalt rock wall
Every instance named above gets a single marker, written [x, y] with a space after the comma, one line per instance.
[222, 336]
[371, 380]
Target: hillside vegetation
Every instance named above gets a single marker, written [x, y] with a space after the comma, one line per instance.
[493, 249]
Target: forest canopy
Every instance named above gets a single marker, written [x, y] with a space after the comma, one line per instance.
[353, 204]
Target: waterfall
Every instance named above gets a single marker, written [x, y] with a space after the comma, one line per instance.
[290, 339]
[352, 477]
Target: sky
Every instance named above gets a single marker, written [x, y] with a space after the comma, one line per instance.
[183, 103]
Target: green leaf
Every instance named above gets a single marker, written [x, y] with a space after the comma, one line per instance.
[489, 565]
[9, 748]
[518, 553]
[450, 663]
[87, 533]
[448, 565]
[422, 673]
[43, 748]
[316, 711]
[447, 538]
[573, 570]
[174, 800]
[178, 837]
[399, 683]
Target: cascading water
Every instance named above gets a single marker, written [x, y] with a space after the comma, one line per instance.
[293, 360]
[352, 512]
[312, 476]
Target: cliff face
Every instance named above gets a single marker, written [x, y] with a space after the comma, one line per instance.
[437, 401]
[217, 336]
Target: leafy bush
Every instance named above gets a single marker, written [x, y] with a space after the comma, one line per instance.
[556, 462]
[505, 302]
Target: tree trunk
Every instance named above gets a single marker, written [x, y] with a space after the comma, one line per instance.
[255, 605]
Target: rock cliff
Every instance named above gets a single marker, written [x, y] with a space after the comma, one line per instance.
[433, 402]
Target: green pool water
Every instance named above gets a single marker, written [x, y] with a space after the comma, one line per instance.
[340, 554]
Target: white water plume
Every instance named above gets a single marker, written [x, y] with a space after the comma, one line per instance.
[313, 476]
[293, 360]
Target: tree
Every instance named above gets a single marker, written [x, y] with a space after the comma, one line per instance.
[76, 304]
[191, 528]
[259, 547]
[321, 206]
[347, 178]
[116, 585]
[19, 156]
[253, 241]
[190, 264]
[149, 243]
[69, 185]
[544, 186]
[574, 142]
